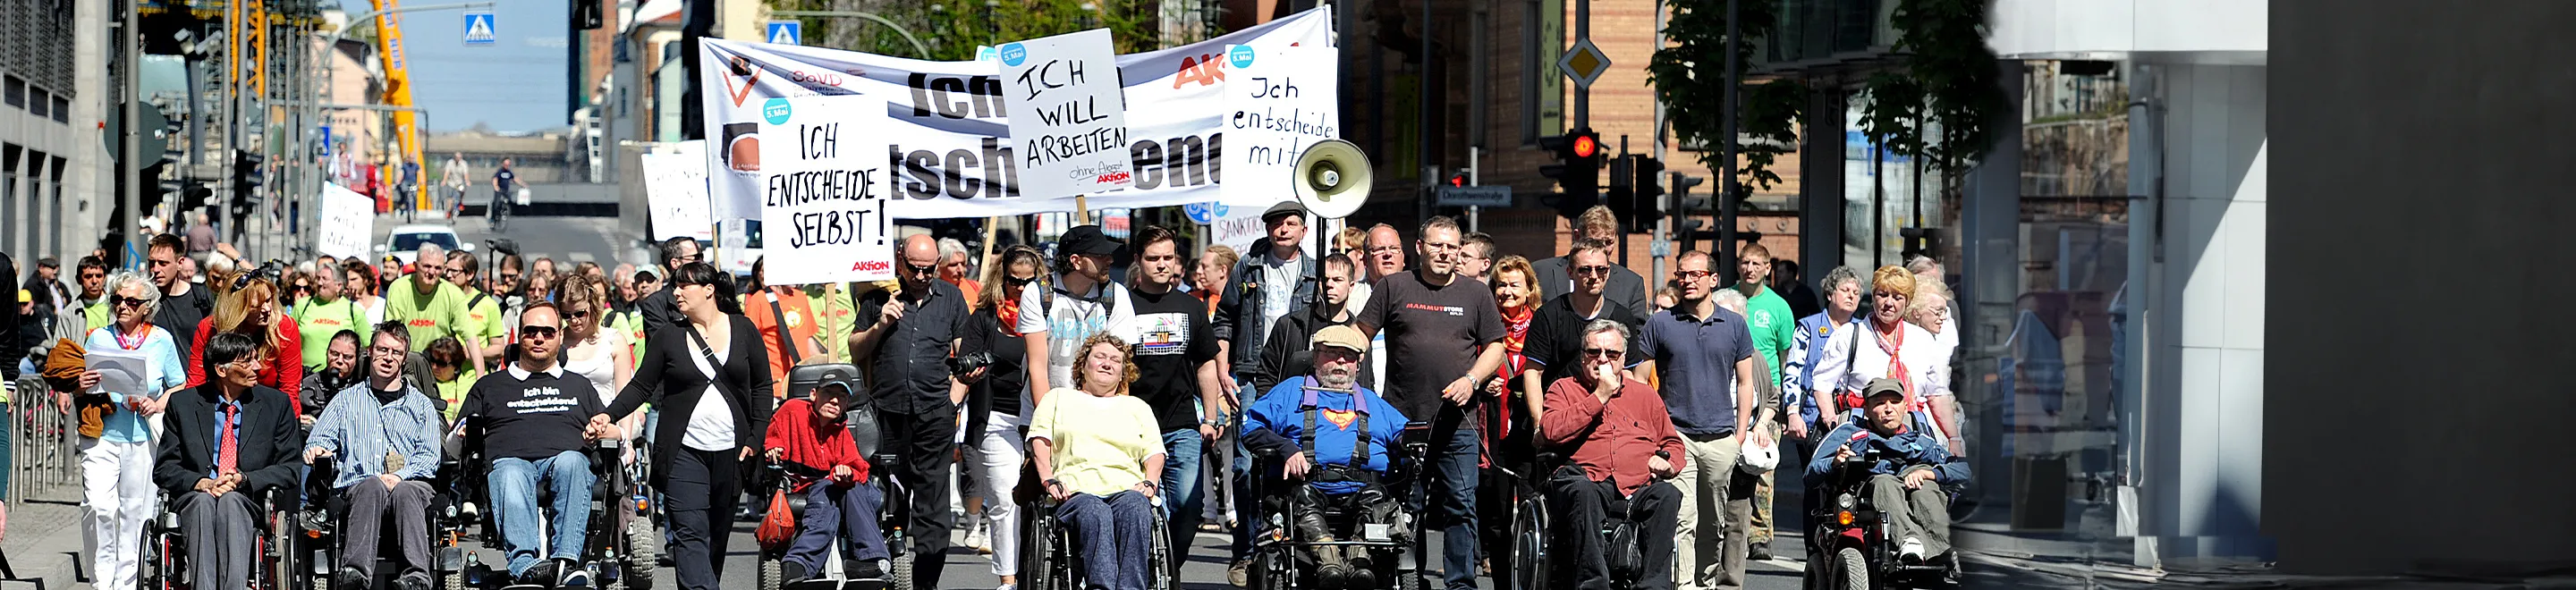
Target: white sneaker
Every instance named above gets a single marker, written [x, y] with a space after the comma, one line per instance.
[1911, 550]
[978, 538]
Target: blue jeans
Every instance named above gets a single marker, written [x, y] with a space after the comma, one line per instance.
[1113, 535]
[514, 500]
[838, 511]
[1180, 486]
[1246, 508]
[1454, 454]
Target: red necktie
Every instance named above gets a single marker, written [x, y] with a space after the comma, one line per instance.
[225, 462]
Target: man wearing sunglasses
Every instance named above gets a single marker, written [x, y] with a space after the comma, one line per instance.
[536, 419]
[1555, 275]
[1555, 342]
[1705, 357]
[907, 350]
[659, 308]
[1623, 447]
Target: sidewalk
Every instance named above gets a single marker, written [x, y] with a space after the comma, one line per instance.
[44, 546]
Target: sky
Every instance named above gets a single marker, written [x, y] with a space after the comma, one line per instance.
[516, 84]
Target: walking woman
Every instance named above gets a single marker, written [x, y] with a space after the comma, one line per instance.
[324, 315]
[710, 377]
[996, 404]
[1099, 452]
[362, 291]
[250, 309]
[117, 450]
[596, 352]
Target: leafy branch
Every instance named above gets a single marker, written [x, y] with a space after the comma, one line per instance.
[1689, 78]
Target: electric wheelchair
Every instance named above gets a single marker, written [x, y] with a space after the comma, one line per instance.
[894, 511]
[320, 518]
[1848, 538]
[1371, 524]
[619, 551]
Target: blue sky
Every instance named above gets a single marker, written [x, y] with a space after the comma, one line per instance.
[516, 84]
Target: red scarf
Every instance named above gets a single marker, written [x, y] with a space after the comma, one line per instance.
[1896, 362]
[1008, 311]
[1498, 420]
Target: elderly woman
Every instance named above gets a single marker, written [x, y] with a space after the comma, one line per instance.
[1888, 347]
[250, 309]
[1930, 309]
[1098, 452]
[116, 447]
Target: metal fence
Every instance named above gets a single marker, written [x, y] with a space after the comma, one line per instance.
[43, 441]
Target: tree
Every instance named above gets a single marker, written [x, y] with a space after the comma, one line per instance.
[1689, 76]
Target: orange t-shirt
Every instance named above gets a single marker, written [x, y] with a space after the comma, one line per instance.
[800, 321]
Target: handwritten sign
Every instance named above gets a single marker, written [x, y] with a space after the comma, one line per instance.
[823, 190]
[1277, 102]
[1068, 118]
[348, 220]
[675, 187]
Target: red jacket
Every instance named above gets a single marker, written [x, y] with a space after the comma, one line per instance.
[791, 428]
[1613, 440]
[285, 361]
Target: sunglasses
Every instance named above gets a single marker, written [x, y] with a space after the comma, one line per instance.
[921, 270]
[1603, 353]
[1016, 282]
[1592, 270]
[1693, 274]
[539, 332]
[123, 301]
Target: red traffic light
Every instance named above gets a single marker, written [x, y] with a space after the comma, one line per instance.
[1459, 179]
[1586, 145]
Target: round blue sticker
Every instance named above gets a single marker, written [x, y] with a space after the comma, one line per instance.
[1240, 56]
[1014, 53]
[776, 111]
[1205, 213]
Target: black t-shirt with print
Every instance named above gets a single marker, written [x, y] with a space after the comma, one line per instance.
[1436, 331]
[1172, 336]
[532, 415]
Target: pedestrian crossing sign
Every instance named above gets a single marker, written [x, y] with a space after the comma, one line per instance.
[478, 29]
[786, 32]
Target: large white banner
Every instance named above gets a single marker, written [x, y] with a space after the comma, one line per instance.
[949, 144]
[675, 187]
[1068, 117]
[823, 191]
[1277, 102]
[348, 221]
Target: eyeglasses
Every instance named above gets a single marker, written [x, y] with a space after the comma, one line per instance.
[455, 271]
[1692, 275]
[388, 352]
[1604, 353]
[509, 277]
[123, 301]
[1597, 270]
[536, 332]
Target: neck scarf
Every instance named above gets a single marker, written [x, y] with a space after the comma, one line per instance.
[1896, 362]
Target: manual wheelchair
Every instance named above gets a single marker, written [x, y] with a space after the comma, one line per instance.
[619, 545]
[894, 508]
[164, 564]
[1372, 525]
[1535, 563]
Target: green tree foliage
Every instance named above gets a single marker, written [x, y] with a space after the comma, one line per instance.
[1689, 77]
[953, 28]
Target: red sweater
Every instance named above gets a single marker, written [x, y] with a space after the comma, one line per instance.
[792, 429]
[1613, 440]
[285, 361]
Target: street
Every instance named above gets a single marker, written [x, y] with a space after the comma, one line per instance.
[565, 239]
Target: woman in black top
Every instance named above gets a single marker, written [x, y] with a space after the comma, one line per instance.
[994, 420]
[710, 377]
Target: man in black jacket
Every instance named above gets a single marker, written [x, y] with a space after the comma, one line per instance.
[658, 308]
[1626, 289]
[1286, 353]
[1262, 288]
[227, 442]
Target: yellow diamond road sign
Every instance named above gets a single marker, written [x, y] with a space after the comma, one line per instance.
[1584, 63]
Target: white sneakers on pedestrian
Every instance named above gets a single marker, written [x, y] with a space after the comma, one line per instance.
[979, 537]
[1910, 551]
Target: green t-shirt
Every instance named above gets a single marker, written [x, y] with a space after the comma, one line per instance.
[835, 318]
[1773, 325]
[98, 314]
[441, 314]
[316, 322]
[484, 316]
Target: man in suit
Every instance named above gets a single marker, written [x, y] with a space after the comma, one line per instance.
[227, 442]
[658, 308]
[1625, 288]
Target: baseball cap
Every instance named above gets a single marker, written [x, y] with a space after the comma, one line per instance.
[26, 296]
[1283, 209]
[1882, 386]
[1088, 239]
[1344, 337]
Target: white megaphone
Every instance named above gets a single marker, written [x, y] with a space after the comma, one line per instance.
[1332, 179]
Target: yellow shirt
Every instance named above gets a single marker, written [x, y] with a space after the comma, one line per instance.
[1101, 443]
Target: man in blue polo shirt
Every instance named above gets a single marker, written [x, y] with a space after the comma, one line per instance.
[1705, 356]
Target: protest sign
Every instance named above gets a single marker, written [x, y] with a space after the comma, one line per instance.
[824, 190]
[1068, 119]
[1277, 102]
[348, 221]
[675, 187]
[950, 144]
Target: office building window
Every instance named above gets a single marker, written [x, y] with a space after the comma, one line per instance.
[62, 109]
[38, 102]
[56, 244]
[15, 91]
[8, 192]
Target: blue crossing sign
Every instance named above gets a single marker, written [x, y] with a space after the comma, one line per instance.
[785, 32]
[478, 29]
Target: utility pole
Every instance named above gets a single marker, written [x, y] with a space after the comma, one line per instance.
[1425, 116]
[1583, 92]
[1725, 198]
[130, 145]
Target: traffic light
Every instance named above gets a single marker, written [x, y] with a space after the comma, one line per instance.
[1646, 190]
[1622, 202]
[1458, 179]
[1577, 173]
[586, 14]
[247, 178]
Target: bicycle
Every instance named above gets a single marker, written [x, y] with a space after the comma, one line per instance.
[498, 215]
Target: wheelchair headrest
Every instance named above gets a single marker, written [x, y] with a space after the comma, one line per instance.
[804, 379]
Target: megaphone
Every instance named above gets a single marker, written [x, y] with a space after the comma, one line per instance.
[1332, 179]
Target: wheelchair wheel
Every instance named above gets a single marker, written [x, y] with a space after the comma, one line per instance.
[641, 542]
[773, 574]
[1853, 569]
[1161, 562]
[1528, 568]
[899, 573]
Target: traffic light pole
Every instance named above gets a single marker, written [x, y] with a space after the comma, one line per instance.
[1663, 244]
[1724, 200]
[130, 158]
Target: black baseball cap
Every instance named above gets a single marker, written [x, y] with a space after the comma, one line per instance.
[1283, 209]
[1088, 239]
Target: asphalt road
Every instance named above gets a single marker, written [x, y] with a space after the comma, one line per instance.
[565, 239]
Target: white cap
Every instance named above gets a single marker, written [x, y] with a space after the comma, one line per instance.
[1756, 459]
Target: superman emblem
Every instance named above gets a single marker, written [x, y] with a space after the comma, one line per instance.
[1342, 418]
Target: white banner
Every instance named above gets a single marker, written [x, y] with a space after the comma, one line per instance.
[1277, 102]
[948, 135]
[824, 191]
[675, 187]
[1068, 118]
[348, 221]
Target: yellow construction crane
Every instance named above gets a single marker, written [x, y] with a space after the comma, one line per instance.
[407, 137]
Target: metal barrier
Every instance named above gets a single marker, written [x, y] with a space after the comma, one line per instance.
[43, 443]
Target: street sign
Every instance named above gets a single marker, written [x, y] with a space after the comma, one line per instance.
[478, 29]
[1473, 196]
[1584, 63]
[1205, 213]
[786, 32]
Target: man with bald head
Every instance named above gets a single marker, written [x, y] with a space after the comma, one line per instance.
[913, 335]
[431, 307]
[1385, 252]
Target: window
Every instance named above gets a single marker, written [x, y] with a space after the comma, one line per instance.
[8, 190]
[38, 101]
[15, 92]
[56, 245]
[62, 109]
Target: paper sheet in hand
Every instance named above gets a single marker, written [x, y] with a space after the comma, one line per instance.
[121, 371]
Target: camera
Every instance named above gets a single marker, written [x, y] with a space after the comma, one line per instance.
[963, 364]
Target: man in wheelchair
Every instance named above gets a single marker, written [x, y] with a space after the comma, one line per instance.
[1623, 446]
[1908, 469]
[536, 420]
[1333, 435]
[228, 444]
[389, 435]
[807, 437]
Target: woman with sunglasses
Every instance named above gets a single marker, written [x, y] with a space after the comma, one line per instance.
[594, 350]
[451, 375]
[360, 287]
[116, 444]
[709, 377]
[250, 309]
[325, 314]
[996, 404]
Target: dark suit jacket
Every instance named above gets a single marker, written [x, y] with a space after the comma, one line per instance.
[659, 309]
[668, 378]
[271, 442]
[1625, 288]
